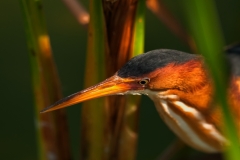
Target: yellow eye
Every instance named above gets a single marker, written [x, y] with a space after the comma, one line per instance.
[144, 81]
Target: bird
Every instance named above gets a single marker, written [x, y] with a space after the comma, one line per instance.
[182, 90]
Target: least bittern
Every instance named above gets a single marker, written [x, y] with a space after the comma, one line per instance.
[181, 89]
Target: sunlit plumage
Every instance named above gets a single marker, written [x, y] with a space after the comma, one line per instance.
[182, 90]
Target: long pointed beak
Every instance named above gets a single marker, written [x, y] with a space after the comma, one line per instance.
[111, 86]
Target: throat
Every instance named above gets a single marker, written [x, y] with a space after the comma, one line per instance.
[188, 123]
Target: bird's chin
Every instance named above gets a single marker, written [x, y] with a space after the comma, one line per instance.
[134, 92]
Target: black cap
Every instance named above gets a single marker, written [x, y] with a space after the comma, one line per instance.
[150, 61]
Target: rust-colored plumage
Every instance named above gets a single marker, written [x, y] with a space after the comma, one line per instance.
[182, 91]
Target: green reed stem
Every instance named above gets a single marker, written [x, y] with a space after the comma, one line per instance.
[203, 20]
[52, 129]
[93, 111]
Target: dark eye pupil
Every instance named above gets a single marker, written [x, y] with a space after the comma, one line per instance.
[143, 82]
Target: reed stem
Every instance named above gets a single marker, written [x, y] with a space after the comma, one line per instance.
[203, 20]
[51, 127]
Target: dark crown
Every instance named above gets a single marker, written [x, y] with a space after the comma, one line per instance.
[149, 61]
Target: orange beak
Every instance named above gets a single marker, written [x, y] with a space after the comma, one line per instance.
[111, 86]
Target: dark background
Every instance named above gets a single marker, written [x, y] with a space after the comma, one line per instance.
[68, 39]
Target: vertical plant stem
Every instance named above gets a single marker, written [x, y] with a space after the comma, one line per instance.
[52, 127]
[129, 132]
[93, 118]
[139, 29]
[203, 20]
[125, 32]
[110, 127]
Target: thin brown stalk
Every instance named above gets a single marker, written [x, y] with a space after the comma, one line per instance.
[52, 93]
[163, 13]
[172, 150]
[78, 11]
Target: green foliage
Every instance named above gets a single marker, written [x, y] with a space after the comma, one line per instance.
[203, 20]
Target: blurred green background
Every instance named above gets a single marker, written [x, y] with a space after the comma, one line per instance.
[68, 39]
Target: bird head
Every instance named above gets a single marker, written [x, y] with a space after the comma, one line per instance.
[155, 71]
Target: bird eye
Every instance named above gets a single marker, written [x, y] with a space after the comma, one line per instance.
[144, 81]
